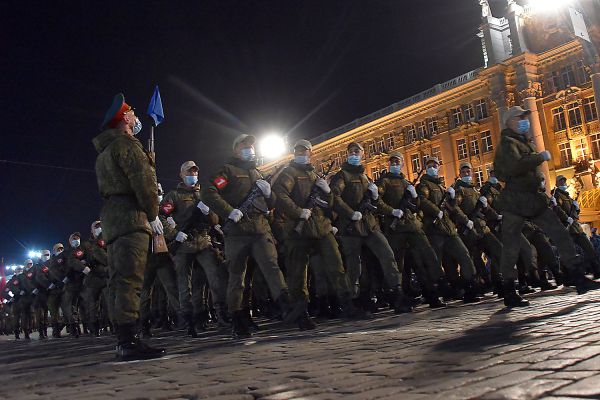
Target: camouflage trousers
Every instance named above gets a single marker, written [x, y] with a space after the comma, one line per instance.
[453, 249]
[159, 271]
[127, 257]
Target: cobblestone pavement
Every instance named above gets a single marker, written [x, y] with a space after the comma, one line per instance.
[550, 350]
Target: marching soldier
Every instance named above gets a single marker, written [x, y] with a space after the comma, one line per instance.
[94, 283]
[442, 233]
[13, 291]
[53, 281]
[40, 302]
[127, 183]
[353, 196]
[76, 269]
[27, 297]
[517, 162]
[247, 230]
[404, 231]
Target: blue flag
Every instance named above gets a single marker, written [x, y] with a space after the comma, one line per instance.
[155, 108]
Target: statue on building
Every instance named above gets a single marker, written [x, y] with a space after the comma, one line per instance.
[486, 11]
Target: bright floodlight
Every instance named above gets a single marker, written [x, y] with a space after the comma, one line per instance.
[271, 146]
[34, 254]
[548, 5]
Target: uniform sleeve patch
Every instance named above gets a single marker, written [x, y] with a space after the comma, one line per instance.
[167, 208]
[45, 269]
[220, 182]
[79, 254]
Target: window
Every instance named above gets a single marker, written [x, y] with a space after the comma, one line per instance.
[595, 142]
[486, 141]
[337, 161]
[481, 108]
[437, 153]
[461, 148]
[380, 145]
[580, 148]
[478, 175]
[389, 141]
[371, 148]
[469, 113]
[375, 175]
[555, 80]
[574, 115]
[589, 109]
[566, 159]
[582, 75]
[474, 146]
[421, 130]
[567, 77]
[411, 134]
[457, 116]
[415, 162]
[558, 116]
[432, 125]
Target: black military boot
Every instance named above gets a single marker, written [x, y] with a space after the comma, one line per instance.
[249, 321]
[17, 336]
[434, 301]
[95, 332]
[146, 329]
[305, 322]
[56, 331]
[188, 319]
[470, 295]
[74, 330]
[130, 347]
[583, 284]
[223, 320]
[289, 312]
[401, 302]
[511, 297]
[201, 321]
[239, 325]
[544, 283]
[41, 333]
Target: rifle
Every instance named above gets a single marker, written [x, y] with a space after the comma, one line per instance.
[394, 223]
[364, 206]
[190, 225]
[314, 200]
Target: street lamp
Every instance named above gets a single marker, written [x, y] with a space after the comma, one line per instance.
[34, 254]
[272, 146]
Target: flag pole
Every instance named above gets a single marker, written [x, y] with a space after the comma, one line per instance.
[151, 143]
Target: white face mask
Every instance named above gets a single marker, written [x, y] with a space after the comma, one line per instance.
[563, 188]
[432, 171]
[97, 232]
[302, 160]
[160, 197]
[466, 179]
[493, 180]
[75, 243]
[45, 257]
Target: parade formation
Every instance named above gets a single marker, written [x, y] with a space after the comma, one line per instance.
[296, 246]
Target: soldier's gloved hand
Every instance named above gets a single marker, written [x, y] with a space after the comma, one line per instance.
[322, 184]
[334, 230]
[35, 291]
[371, 187]
[157, 226]
[451, 192]
[499, 217]
[171, 222]
[576, 204]
[265, 187]
[553, 201]
[181, 237]
[440, 215]
[86, 270]
[235, 215]
[52, 286]
[203, 207]
[397, 213]
[483, 201]
[413, 192]
[22, 292]
[219, 230]
[570, 221]
[470, 225]
[546, 155]
[305, 214]
[357, 216]
[65, 280]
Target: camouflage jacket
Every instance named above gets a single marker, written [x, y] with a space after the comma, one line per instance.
[97, 261]
[394, 195]
[468, 207]
[433, 200]
[565, 209]
[491, 193]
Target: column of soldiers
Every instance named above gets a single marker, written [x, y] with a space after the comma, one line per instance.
[297, 243]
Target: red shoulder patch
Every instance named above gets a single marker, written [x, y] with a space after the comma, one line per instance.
[167, 208]
[79, 254]
[29, 275]
[16, 282]
[220, 182]
[45, 269]
[101, 243]
[60, 260]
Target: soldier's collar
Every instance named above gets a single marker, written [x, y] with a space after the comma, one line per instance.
[303, 167]
[353, 168]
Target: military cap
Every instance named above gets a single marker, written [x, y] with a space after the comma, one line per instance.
[74, 234]
[57, 246]
[303, 143]
[514, 112]
[432, 159]
[250, 139]
[465, 164]
[94, 224]
[396, 154]
[28, 261]
[560, 178]
[116, 112]
[355, 144]
[186, 166]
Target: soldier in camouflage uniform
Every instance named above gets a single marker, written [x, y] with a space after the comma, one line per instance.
[246, 235]
[40, 302]
[12, 291]
[568, 210]
[436, 204]
[517, 162]
[76, 269]
[195, 251]
[404, 231]
[127, 183]
[53, 281]
[353, 193]
[27, 297]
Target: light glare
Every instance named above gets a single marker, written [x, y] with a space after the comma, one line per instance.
[271, 146]
[547, 5]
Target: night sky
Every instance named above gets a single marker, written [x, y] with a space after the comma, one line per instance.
[223, 67]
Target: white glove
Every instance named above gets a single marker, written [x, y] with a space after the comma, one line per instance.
[412, 190]
[86, 270]
[171, 222]
[570, 220]
[440, 215]
[203, 207]
[357, 216]
[218, 229]
[483, 201]
[35, 291]
[451, 192]
[499, 217]
[470, 225]
[235, 215]
[322, 184]
[546, 155]
[334, 230]
[65, 280]
[305, 214]
[576, 204]
[553, 201]
[181, 237]
[22, 292]
[264, 187]
[374, 190]
[51, 286]
[157, 226]
[397, 213]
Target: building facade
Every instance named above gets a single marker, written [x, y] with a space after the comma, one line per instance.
[531, 58]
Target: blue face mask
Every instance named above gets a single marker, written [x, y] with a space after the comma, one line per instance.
[466, 179]
[432, 171]
[563, 188]
[190, 180]
[137, 128]
[247, 154]
[493, 180]
[353, 159]
[301, 159]
[524, 126]
[395, 169]
[75, 243]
